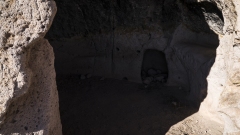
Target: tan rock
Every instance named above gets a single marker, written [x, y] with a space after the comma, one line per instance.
[37, 111]
[28, 96]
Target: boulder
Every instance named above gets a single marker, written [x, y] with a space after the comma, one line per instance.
[28, 96]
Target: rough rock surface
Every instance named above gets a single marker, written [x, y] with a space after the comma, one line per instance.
[37, 111]
[27, 104]
[104, 16]
[223, 80]
[196, 125]
[222, 93]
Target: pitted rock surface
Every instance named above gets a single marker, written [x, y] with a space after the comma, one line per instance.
[37, 111]
[24, 23]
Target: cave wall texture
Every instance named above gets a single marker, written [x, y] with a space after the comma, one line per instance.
[28, 93]
[109, 38]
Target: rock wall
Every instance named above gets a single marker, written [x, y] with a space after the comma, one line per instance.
[109, 38]
[36, 111]
[222, 100]
[29, 100]
[113, 44]
[104, 16]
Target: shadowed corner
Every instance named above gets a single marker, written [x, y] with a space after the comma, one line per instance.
[204, 19]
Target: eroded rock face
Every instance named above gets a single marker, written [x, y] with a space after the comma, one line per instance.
[223, 91]
[23, 26]
[36, 111]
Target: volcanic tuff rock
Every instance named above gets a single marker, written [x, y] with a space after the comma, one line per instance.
[27, 80]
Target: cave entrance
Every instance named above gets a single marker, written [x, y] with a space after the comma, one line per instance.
[102, 55]
[154, 67]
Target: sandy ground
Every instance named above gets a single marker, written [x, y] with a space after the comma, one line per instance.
[119, 107]
[196, 125]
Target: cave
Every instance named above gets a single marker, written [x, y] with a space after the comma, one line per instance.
[119, 67]
[113, 59]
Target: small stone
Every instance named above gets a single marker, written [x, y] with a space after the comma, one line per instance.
[152, 72]
[83, 77]
[174, 103]
[89, 75]
[148, 80]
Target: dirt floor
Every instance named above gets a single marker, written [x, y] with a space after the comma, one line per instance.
[118, 107]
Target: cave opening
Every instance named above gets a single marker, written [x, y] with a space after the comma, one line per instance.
[122, 71]
[154, 67]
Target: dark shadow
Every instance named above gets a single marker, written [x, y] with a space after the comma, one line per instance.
[154, 67]
[195, 17]
[109, 106]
